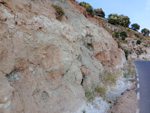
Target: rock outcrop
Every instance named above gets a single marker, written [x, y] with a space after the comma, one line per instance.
[45, 64]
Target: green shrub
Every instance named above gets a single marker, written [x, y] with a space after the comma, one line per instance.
[124, 21]
[113, 19]
[145, 32]
[87, 6]
[59, 11]
[119, 20]
[126, 53]
[123, 34]
[135, 26]
[137, 35]
[116, 34]
[128, 30]
[138, 42]
[123, 38]
[99, 12]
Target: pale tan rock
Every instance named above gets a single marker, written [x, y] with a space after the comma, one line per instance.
[5, 93]
[48, 61]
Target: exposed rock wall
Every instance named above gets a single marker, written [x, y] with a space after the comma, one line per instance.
[46, 63]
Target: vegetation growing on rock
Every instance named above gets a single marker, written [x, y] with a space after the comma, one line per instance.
[145, 32]
[126, 53]
[137, 35]
[59, 11]
[87, 6]
[138, 42]
[124, 21]
[119, 20]
[123, 34]
[113, 19]
[135, 26]
[99, 12]
[116, 34]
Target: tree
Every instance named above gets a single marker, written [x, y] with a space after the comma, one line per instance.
[113, 19]
[135, 26]
[119, 20]
[87, 6]
[145, 32]
[124, 21]
[99, 12]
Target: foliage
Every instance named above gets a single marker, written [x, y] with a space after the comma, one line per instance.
[123, 38]
[126, 53]
[138, 42]
[116, 34]
[113, 19]
[135, 26]
[124, 21]
[145, 32]
[87, 6]
[99, 12]
[123, 34]
[137, 35]
[59, 11]
[128, 30]
[119, 20]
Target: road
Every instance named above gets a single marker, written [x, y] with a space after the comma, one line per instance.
[143, 85]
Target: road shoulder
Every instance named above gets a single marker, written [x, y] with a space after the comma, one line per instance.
[127, 103]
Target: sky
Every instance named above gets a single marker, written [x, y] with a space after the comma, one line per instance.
[137, 10]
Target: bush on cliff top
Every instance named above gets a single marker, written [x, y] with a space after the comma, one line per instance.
[135, 26]
[59, 11]
[87, 6]
[119, 20]
[145, 32]
[99, 12]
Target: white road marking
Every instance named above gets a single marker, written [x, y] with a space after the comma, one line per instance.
[137, 79]
[137, 74]
[137, 111]
[138, 96]
[138, 86]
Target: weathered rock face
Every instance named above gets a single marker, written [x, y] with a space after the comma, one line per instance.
[45, 63]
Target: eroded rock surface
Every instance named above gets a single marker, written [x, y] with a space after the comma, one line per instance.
[45, 64]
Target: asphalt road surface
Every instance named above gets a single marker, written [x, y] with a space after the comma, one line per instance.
[143, 86]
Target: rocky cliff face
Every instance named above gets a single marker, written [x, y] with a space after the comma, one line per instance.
[45, 64]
